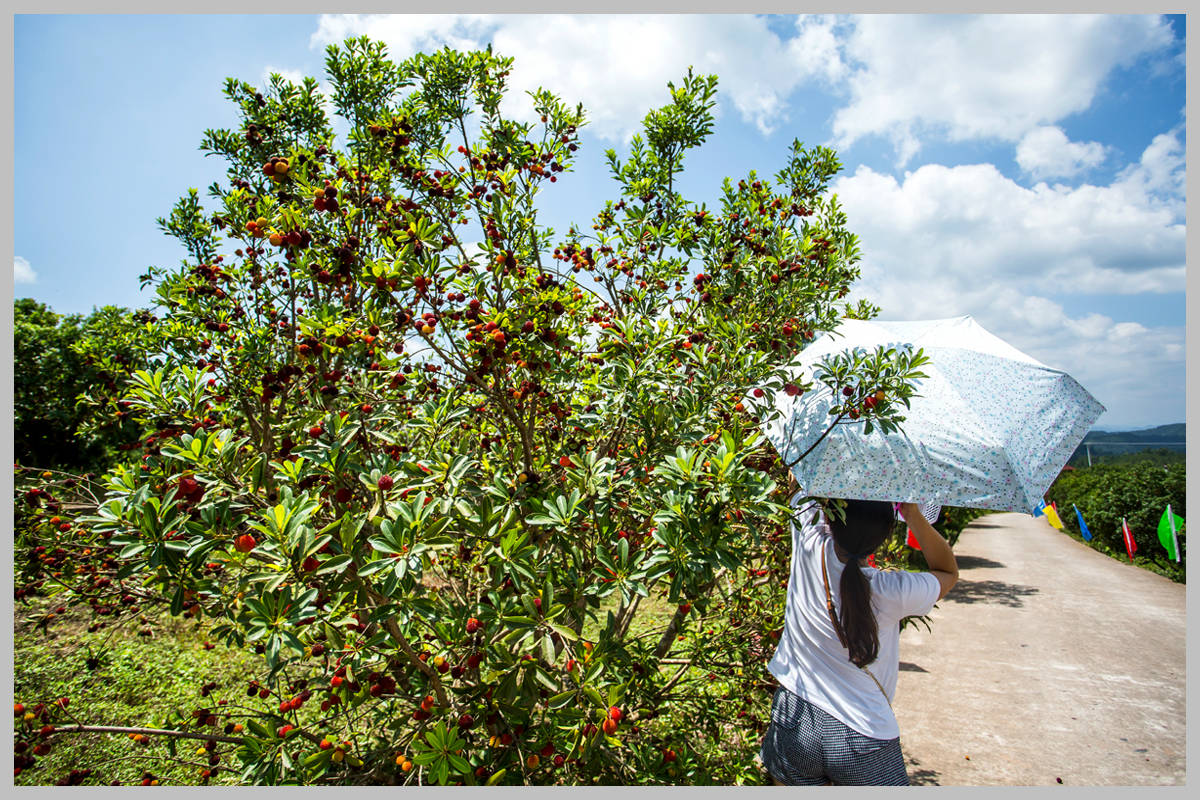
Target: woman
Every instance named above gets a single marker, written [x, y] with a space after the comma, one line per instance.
[838, 658]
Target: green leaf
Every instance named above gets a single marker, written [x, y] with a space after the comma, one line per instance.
[337, 563]
[594, 696]
[562, 699]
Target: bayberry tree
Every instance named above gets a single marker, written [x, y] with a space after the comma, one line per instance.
[485, 496]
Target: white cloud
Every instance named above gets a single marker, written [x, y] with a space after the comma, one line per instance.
[1046, 152]
[22, 271]
[996, 76]
[407, 34]
[946, 241]
[951, 225]
[292, 75]
[618, 66]
[1160, 169]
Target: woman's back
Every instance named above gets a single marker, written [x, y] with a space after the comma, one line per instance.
[811, 660]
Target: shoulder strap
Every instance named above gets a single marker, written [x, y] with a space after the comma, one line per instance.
[838, 627]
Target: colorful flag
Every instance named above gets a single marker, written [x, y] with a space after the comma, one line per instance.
[1083, 529]
[1130, 544]
[912, 540]
[1168, 532]
[1052, 516]
[1037, 512]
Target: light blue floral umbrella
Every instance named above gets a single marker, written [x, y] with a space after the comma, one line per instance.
[991, 427]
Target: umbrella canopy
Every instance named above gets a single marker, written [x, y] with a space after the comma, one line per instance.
[991, 427]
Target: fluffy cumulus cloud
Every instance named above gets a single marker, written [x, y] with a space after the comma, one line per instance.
[22, 271]
[618, 66]
[994, 76]
[946, 241]
[1046, 152]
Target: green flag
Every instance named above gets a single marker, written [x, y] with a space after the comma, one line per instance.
[1169, 528]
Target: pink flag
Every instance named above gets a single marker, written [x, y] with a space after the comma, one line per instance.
[1130, 544]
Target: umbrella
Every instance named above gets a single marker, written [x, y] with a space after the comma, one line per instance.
[991, 427]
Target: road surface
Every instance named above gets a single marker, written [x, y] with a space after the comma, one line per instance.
[1048, 661]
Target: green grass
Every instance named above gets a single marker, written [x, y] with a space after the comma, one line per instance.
[116, 677]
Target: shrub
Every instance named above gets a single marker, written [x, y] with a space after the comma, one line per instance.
[65, 368]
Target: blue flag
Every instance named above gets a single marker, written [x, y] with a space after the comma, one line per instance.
[1087, 535]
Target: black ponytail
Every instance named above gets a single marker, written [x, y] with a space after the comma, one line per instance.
[864, 527]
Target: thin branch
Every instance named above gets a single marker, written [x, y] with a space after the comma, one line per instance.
[820, 439]
[145, 732]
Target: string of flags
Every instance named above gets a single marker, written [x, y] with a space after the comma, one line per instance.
[1169, 527]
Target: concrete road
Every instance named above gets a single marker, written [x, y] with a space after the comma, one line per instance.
[1047, 661]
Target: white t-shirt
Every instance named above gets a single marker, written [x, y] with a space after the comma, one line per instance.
[810, 660]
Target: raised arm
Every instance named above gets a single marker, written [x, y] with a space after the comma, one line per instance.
[934, 547]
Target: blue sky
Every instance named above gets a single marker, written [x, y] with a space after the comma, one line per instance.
[1027, 170]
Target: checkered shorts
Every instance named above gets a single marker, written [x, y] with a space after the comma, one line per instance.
[806, 746]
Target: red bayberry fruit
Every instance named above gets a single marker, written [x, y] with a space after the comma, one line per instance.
[244, 543]
[614, 714]
[386, 482]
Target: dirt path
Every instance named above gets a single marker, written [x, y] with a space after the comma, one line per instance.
[1047, 661]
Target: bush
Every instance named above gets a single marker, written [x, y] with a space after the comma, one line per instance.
[486, 500]
[1138, 492]
[63, 369]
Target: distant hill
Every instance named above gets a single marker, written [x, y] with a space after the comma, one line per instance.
[1164, 442]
